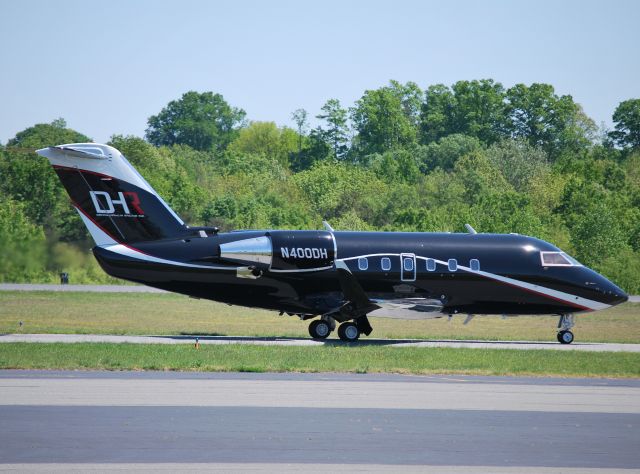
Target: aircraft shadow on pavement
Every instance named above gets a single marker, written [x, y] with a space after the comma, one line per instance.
[338, 342]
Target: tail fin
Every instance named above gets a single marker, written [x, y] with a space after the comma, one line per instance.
[116, 204]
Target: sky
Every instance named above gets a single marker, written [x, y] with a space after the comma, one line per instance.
[106, 66]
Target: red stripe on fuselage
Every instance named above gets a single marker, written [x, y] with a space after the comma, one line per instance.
[540, 293]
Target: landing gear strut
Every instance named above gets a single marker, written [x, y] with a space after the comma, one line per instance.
[565, 336]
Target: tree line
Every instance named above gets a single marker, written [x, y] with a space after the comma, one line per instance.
[522, 159]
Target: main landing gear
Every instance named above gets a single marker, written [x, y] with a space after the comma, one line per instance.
[319, 329]
[565, 336]
[348, 331]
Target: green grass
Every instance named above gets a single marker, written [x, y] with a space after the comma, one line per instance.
[353, 359]
[113, 313]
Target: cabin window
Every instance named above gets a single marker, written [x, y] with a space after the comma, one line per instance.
[363, 263]
[453, 265]
[431, 265]
[475, 264]
[558, 259]
[408, 264]
[385, 263]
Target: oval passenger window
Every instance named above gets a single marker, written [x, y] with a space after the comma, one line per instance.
[408, 264]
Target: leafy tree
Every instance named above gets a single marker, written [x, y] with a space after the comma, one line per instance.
[384, 120]
[46, 134]
[520, 163]
[479, 177]
[29, 178]
[598, 234]
[22, 244]
[506, 212]
[446, 152]
[299, 116]
[333, 189]
[204, 121]
[336, 135]
[316, 149]
[411, 97]
[626, 119]
[436, 114]
[474, 108]
[397, 165]
[266, 138]
[545, 119]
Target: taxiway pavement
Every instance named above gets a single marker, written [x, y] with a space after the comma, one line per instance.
[155, 421]
[292, 341]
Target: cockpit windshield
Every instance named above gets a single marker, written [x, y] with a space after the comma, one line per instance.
[558, 259]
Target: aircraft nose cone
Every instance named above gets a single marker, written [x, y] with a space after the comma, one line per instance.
[615, 295]
[620, 297]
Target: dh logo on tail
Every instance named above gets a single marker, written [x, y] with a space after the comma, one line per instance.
[106, 205]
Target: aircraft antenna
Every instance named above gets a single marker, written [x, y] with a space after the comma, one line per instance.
[470, 229]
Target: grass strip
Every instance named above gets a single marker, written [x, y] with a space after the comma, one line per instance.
[112, 313]
[353, 359]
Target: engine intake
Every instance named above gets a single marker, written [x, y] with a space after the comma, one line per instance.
[283, 250]
[257, 250]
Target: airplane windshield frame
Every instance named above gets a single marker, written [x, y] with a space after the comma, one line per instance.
[558, 259]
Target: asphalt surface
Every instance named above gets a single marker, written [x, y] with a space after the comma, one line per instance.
[157, 421]
[292, 341]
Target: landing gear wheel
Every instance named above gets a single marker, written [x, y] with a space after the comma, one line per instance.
[565, 337]
[348, 332]
[319, 329]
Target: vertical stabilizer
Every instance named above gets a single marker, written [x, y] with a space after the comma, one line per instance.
[115, 202]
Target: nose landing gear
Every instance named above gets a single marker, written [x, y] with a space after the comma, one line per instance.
[565, 336]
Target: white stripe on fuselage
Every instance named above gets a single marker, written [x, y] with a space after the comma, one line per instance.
[542, 290]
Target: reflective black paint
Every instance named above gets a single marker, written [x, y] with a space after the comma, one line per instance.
[318, 292]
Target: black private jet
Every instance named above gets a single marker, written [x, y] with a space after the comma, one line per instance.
[324, 275]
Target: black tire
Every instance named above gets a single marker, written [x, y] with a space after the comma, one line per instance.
[319, 329]
[565, 337]
[348, 332]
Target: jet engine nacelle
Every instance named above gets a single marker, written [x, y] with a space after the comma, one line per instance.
[283, 250]
[302, 249]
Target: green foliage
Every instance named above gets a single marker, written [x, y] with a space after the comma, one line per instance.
[598, 234]
[545, 119]
[520, 163]
[336, 135]
[385, 119]
[473, 108]
[22, 244]
[265, 138]
[333, 189]
[45, 134]
[520, 160]
[27, 177]
[204, 121]
[447, 151]
[626, 119]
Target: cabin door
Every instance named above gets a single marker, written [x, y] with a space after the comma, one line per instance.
[408, 266]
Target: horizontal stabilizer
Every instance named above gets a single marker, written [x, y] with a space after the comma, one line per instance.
[85, 151]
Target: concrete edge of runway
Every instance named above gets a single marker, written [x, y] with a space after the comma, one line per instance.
[291, 341]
